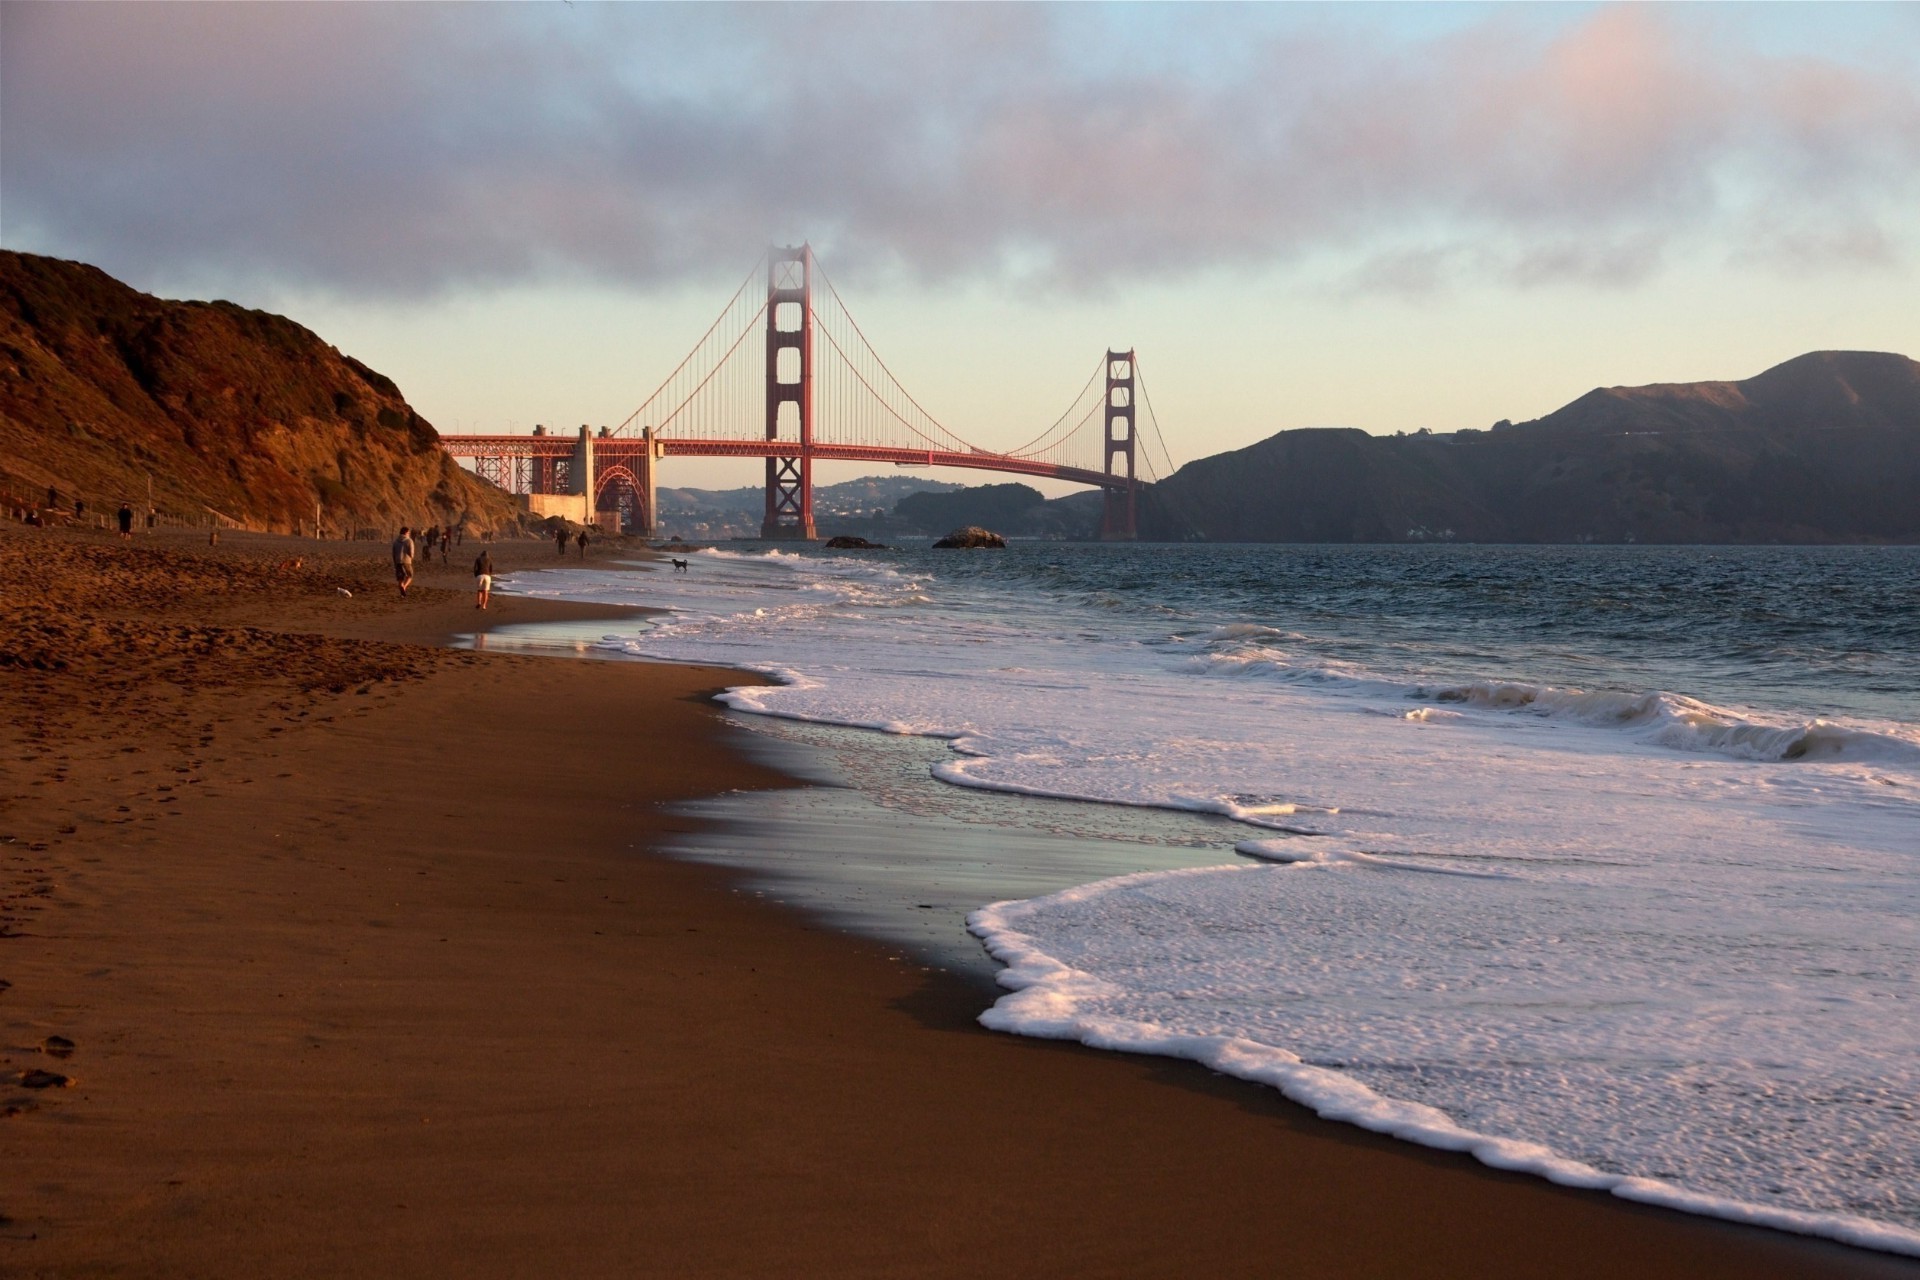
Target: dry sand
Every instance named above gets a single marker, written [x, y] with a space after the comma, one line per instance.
[366, 970]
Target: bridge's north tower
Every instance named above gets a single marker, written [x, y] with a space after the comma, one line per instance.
[1117, 515]
[790, 382]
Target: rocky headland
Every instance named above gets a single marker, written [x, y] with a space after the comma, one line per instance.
[1824, 448]
[233, 416]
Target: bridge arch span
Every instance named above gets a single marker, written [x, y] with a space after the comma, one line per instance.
[629, 494]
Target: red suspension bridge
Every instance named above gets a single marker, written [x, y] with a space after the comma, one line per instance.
[815, 390]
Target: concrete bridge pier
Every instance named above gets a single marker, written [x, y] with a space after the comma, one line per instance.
[580, 475]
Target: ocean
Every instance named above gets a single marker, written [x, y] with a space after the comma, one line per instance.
[1601, 863]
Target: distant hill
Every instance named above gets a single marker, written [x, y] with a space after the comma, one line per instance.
[888, 506]
[1821, 391]
[858, 505]
[1823, 448]
[1017, 510]
[228, 410]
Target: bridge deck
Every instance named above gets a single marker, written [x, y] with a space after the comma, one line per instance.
[615, 449]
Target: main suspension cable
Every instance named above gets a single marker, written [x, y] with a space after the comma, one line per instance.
[1073, 404]
[1158, 438]
[724, 311]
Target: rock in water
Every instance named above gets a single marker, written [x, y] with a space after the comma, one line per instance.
[847, 542]
[972, 536]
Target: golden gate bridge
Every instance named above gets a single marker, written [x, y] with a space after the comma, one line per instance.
[813, 390]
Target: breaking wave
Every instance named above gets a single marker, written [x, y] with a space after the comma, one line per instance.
[1670, 720]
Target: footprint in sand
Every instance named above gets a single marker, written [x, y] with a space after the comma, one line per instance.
[57, 1047]
[38, 1079]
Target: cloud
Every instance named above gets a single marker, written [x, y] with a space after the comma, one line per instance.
[404, 151]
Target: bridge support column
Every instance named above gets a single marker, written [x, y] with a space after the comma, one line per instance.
[789, 511]
[1117, 516]
[649, 484]
[580, 475]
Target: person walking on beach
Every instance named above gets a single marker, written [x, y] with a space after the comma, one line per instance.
[560, 540]
[583, 544]
[446, 541]
[403, 559]
[482, 580]
[126, 520]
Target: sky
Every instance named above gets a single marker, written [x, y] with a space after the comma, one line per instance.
[1387, 216]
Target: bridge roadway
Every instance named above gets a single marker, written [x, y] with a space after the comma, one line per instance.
[617, 448]
[628, 467]
[977, 460]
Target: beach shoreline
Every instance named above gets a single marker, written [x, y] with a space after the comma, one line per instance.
[368, 971]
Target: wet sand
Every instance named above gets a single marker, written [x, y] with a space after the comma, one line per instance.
[367, 970]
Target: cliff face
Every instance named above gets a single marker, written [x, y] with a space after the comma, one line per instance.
[238, 412]
[1823, 448]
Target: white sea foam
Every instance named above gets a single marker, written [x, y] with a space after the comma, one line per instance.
[1340, 993]
[1630, 938]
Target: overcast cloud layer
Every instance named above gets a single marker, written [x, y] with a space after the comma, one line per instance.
[401, 151]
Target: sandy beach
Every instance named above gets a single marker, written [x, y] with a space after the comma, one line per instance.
[331, 950]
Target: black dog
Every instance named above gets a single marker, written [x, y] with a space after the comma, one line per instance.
[679, 566]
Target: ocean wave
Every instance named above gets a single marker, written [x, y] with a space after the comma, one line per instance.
[1669, 720]
[1049, 999]
[772, 553]
[1260, 662]
[1247, 633]
[759, 700]
[1291, 818]
[1686, 724]
[1318, 854]
[1594, 819]
[834, 567]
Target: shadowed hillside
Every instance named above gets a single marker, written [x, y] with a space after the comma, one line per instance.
[230, 411]
[1017, 510]
[1823, 448]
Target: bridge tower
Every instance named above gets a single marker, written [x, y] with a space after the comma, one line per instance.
[649, 483]
[1117, 515]
[790, 382]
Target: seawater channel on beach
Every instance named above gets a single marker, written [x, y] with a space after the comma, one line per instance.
[871, 843]
[877, 846]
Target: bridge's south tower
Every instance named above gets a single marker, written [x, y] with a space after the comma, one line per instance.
[790, 382]
[1116, 518]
